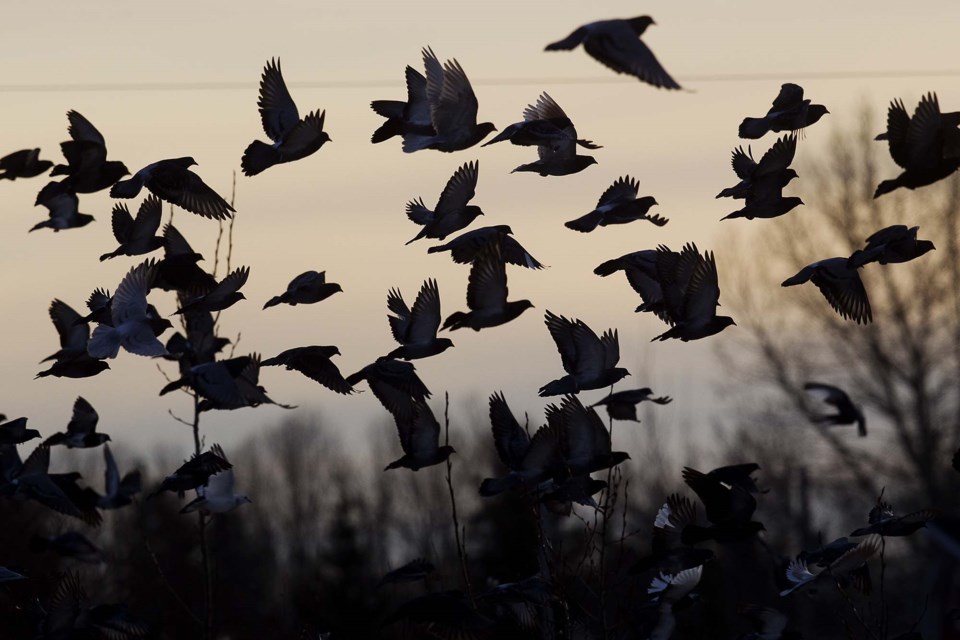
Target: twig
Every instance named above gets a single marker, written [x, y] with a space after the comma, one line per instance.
[179, 419]
[163, 576]
[202, 519]
[461, 551]
[853, 608]
[603, 540]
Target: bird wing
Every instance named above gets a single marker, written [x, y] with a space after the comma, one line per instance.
[304, 135]
[545, 108]
[231, 283]
[220, 485]
[73, 332]
[147, 222]
[186, 189]
[130, 300]
[456, 109]
[174, 243]
[625, 189]
[924, 136]
[122, 223]
[425, 317]
[424, 430]
[590, 353]
[778, 157]
[544, 453]
[562, 331]
[460, 189]
[84, 419]
[510, 439]
[790, 97]
[278, 113]
[826, 392]
[434, 78]
[844, 290]
[703, 292]
[742, 163]
[82, 131]
[487, 285]
[611, 348]
[619, 48]
[892, 233]
[898, 124]
[400, 321]
[417, 109]
[306, 281]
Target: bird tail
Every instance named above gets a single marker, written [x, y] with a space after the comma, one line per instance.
[392, 109]
[413, 142]
[495, 486]
[736, 214]
[60, 170]
[885, 187]
[387, 130]
[732, 192]
[104, 342]
[439, 248]
[585, 224]
[454, 320]
[272, 302]
[112, 254]
[126, 188]
[258, 157]
[859, 258]
[753, 128]
[570, 42]
[800, 278]
[608, 268]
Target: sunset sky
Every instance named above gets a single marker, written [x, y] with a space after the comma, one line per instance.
[181, 78]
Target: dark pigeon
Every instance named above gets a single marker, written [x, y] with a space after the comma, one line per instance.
[194, 472]
[293, 137]
[640, 268]
[136, 236]
[420, 439]
[669, 554]
[23, 164]
[16, 432]
[790, 112]
[313, 362]
[847, 412]
[465, 248]
[452, 212]
[761, 183]
[557, 154]
[544, 123]
[893, 244]
[395, 384]
[172, 181]
[840, 285]
[884, 521]
[81, 431]
[87, 168]
[307, 288]
[63, 213]
[225, 384]
[691, 293]
[224, 295]
[619, 204]
[68, 615]
[590, 361]
[416, 329]
[487, 294]
[799, 575]
[622, 405]
[453, 110]
[30, 479]
[729, 507]
[617, 45]
[72, 359]
[178, 270]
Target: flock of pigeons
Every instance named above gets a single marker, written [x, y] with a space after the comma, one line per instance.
[554, 465]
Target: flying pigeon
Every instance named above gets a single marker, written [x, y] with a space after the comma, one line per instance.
[81, 431]
[487, 294]
[224, 295]
[216, 496]
[225, 384]
[889, 245]
[761, 183]
[136, 236]
[640, 268]
[465, 248]
[31, 479]
[63, 213]
[619, 204]
[131, 328]
[544, 123]
[416, 329]
[691, 293]
[847, 412]
[178, 270]
[87, 168]
[16, 432]
[917, 144]
[790, 112]
[420, 439]
[194, 472]
[622, 405]
[410, 117]
[23, 164]
[117, 492]
[729, 507]
[590, 361]
[840, 285]
[669, 553]
[617, 45]
[883, 521]
[453, 110]
[799, 574]
[68, 615]
[293, 138]
[72, 359]
[313, 362]
[395, 384]
[172, 181]
[452, 212]
[307, 288]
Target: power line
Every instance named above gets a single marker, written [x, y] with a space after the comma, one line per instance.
[570, 80]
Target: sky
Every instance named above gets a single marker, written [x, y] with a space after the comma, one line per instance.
[184, 81]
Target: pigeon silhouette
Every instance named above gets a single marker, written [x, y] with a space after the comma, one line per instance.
[622, 405]
[619, 204]
[23, 164]
[293, 137]
[117, 492]
[799, 575]
[87, 168]
[313, 362]
[691, 293]
[617, 45]
[917, 144]
[590, 361]
[172, 181]
[15, 431]
[395, 384]
[225, 384]
[136, 236]
[789, 112]
[30, 479]
[307, 288]
[640, 268]
[487, 294]
[761, 183]
[885, 522]
[452, 212]
[194, 472]
[669, 554]
[217, 495]
[81, 431]
[223, 296]
[840, 285]
[729, 507]
[72, 359]
[453, 110]
[131, 328]
[557, 153]
[416, 329]
[465, 248]
[420, 438]
[178, 270]
[68, 614]
[892, 244]
[63, 213]
[847, 412]
[410, 117]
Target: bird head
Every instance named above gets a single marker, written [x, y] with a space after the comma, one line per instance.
[184, 162]
[924, 246]
[444, 343]
[484, 129]
[725, 321]
[640, 24]
[337, 287]
[504, 229]
[815, 112]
